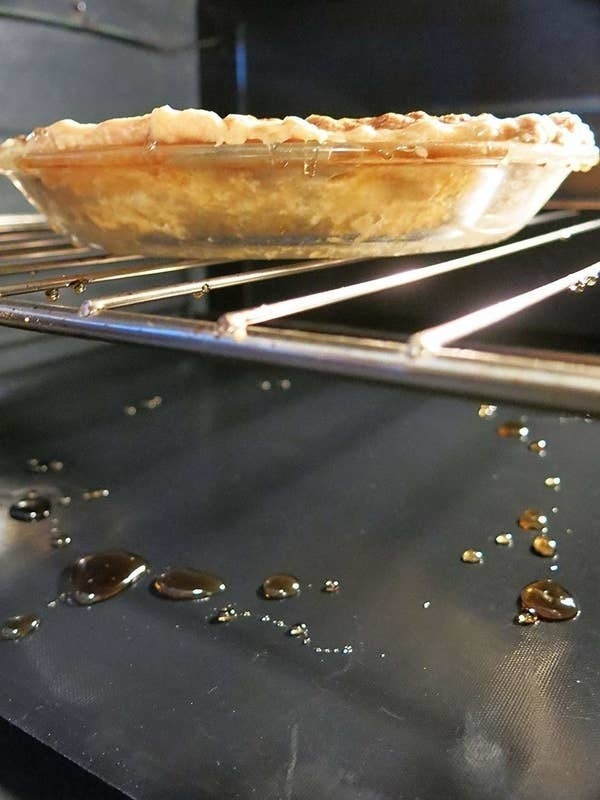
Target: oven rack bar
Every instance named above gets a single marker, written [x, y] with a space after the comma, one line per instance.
[237, 322]
[566, 381]
[562, 380]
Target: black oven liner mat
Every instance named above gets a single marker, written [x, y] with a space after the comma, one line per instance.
[377, 486]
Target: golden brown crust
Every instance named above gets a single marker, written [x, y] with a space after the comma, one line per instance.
[168, 126]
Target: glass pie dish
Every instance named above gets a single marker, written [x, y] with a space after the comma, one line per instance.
[292, 199]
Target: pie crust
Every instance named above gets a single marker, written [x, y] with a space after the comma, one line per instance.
[168, 126]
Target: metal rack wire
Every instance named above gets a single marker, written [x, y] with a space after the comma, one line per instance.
[428, 358]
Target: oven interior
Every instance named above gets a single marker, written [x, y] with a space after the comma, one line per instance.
[335, 442]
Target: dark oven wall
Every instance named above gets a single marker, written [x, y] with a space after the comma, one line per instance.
[353, 58]
[92, 60]
[87, 61]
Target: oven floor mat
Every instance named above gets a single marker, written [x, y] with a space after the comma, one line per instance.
[416, 683]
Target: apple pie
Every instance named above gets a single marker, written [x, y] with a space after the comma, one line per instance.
[193, 184]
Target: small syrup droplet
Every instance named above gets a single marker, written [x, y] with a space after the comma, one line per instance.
[79, 286]
[187, 584]
[505, 539]
[552, 483]
[152, 402]
[130, 411]
[487, 411]
[331, 586]
[471, 556]
[95, 494]
[31, 509]
[580, 286]
[19, 626]
[513, 430]
[36, 466]
[60, 541]
[532, 519]
[52, 294]
[526, 618]
[427, 604]
[543, 546]
[65, 500]
[280, 586]
[100, 576]
[226, 614]
[300, 629]
[540, 446]
[265, 386]
[285, 384]
[549, 600]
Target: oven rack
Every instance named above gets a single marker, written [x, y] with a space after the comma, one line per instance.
[31, 254]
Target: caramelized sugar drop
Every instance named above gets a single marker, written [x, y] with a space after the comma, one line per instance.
[79, 286]
[538, 447]
[19, 626]
[36, 466]
[31, 509]
[548, 600]
[60, 541]
[532, 519]
[299, 629]
[152, 402]
[100, 576]
[552, 482]
[331, 586]
[543, 546]
[580, 286]
[280, 586]
[505, 539]
[487, 411]
[513, 430]
[95, 494]
[226, 614]
[471, 556]
[187, 584]
[526, 618]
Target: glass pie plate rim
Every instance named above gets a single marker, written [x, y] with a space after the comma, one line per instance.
[582, 157]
